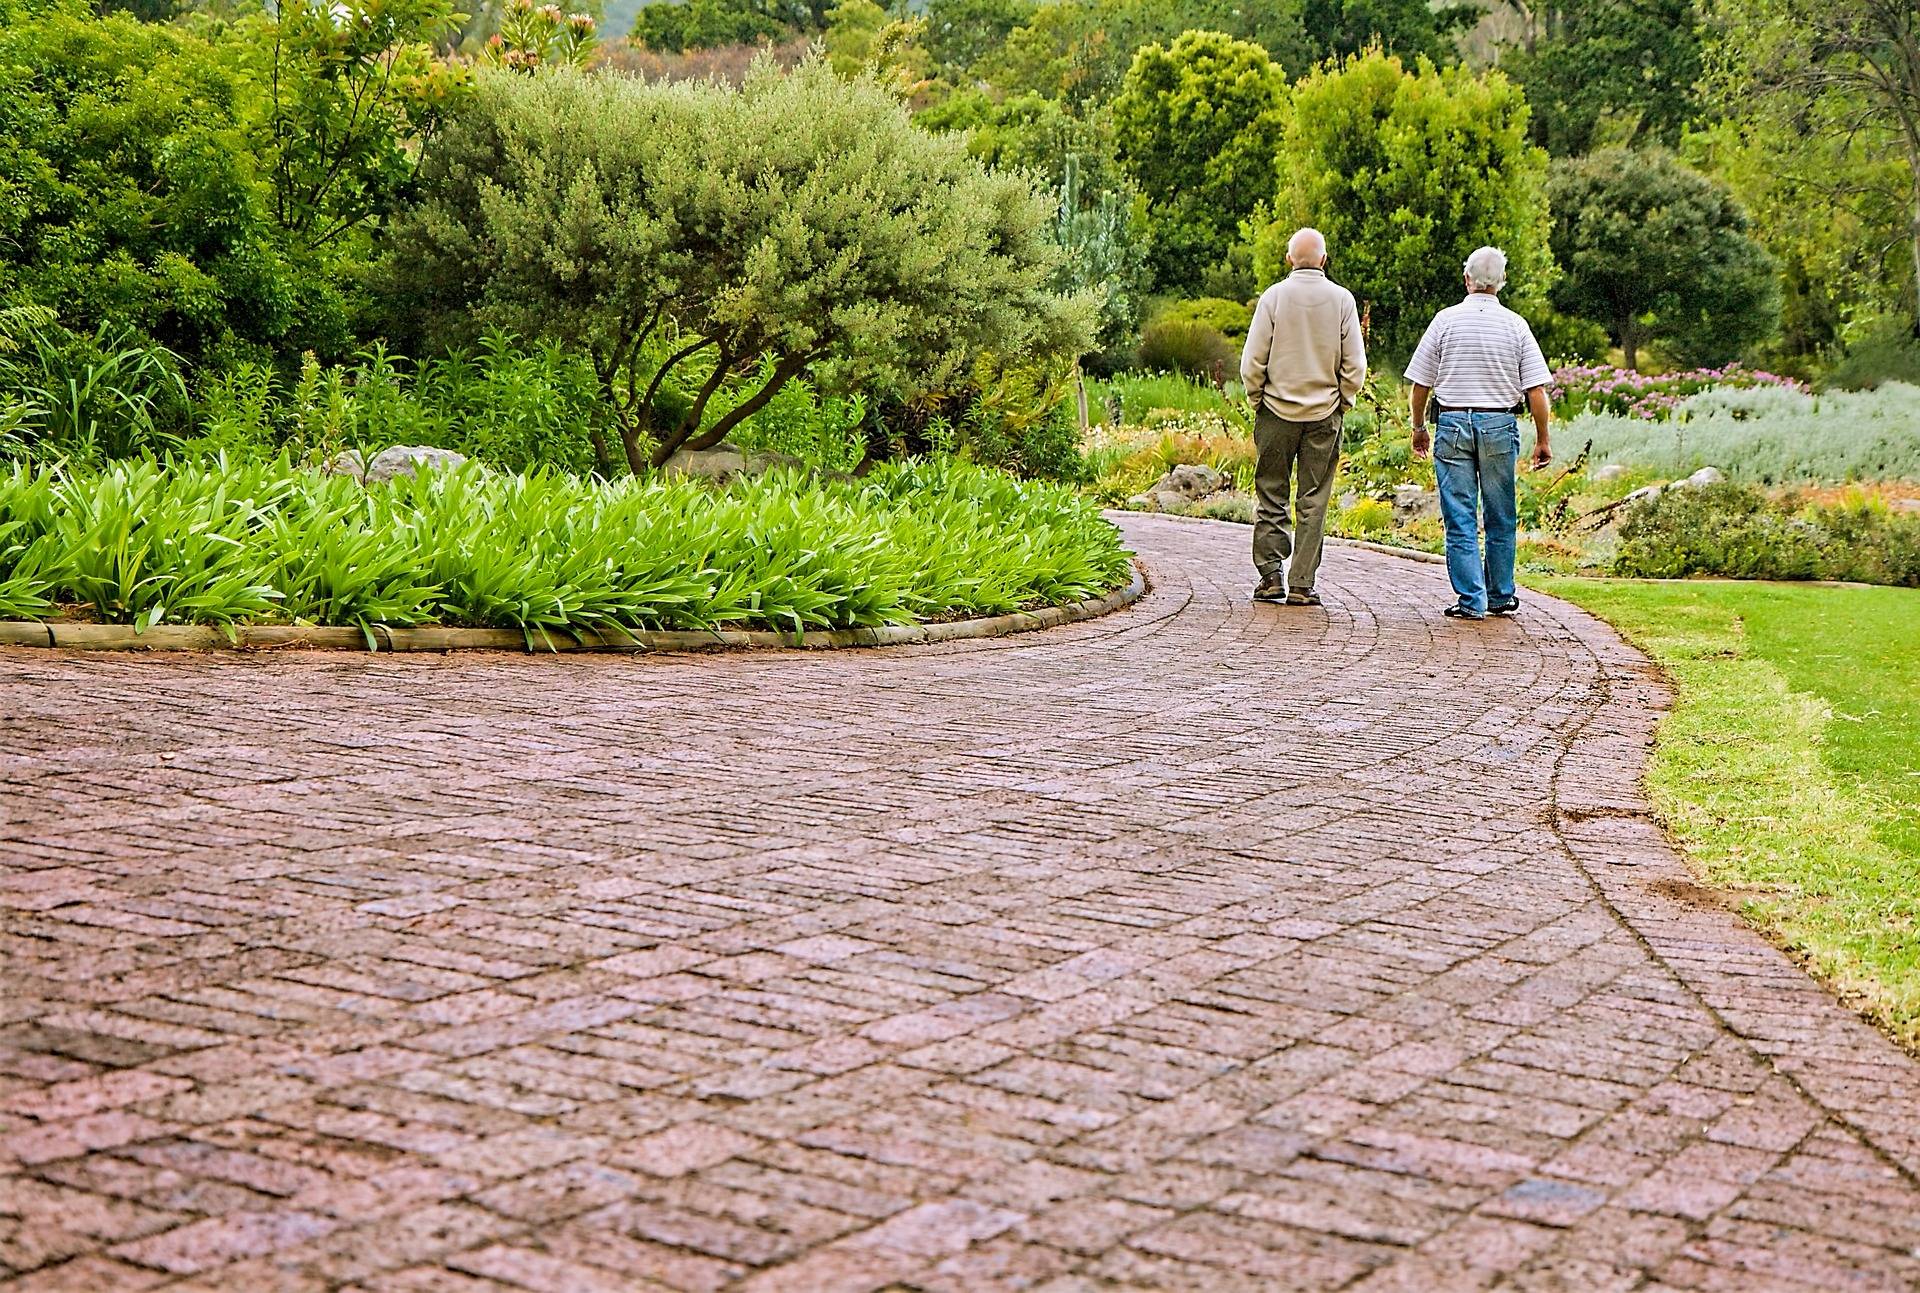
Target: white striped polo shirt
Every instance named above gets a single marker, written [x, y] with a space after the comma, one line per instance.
[1479, 355]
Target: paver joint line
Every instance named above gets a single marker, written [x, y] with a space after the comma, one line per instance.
[1206, 946]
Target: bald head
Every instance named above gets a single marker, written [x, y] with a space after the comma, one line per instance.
[1307, 249]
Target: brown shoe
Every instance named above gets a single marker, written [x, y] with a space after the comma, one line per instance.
[1308, 598]
[1270, 590]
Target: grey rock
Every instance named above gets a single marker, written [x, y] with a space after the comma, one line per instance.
[1185, 484]
[1644, 493]
[1192, 480]
[724, 462]
[1412, 503]
[404, 460]
[719, 464]
[347, 463]
[1611, 471]
[1704, 477]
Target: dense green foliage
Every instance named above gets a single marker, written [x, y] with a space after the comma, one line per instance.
[211, 193]
[1609, 72]
[1196, 124]
[1737, 530]
[1406, 172]
[260, 541]
[1824, 95]
[799, 220]
[1660, 253]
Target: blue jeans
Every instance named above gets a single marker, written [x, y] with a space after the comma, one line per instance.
[1474, 456]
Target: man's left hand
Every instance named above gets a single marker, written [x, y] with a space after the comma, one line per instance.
[1542, 454]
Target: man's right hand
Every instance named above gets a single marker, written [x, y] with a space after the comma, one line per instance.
[1422, 442]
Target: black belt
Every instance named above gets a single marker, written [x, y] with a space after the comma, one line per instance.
[1439, 408]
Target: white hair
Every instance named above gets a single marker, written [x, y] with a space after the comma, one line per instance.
[1487, 269]
[1306, 248]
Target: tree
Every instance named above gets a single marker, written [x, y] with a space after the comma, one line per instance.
[1406, 172]
[677, 25]
[1659, 252]
[1833, 210]
[1195, 125]
[1080, 50]
[354, 95]
[1830, 76]
[1610, 72]
[1409, 28]
[962, 32]
[685, 236]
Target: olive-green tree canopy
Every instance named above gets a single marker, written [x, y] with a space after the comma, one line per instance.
[673, 229]
[1659, 252]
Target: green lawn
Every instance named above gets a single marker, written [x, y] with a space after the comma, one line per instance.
[1790, 767]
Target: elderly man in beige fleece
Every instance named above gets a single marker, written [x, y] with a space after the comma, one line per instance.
[1303, 364]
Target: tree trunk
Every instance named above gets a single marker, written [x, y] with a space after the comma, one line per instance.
[602, 455]
[783, 372]
[1913, 241]
[1629, 344]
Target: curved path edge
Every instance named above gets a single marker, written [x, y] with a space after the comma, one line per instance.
[433, 637]
[1756, 991]
[1834, 1056]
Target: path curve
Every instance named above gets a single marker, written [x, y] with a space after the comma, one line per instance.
[1203, 946]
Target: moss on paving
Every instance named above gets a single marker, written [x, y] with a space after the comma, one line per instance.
[1790, 766]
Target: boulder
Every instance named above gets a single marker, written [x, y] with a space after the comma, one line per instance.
[724, 462]
[347, 463]
[1704, 477]
[1186, 483]
[719, 464]
[391, 462]
[1611, 471]
[1192, 481]
[1412, 503]
[410, 460]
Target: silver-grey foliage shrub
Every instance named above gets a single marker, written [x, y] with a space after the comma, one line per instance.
[1769, 436]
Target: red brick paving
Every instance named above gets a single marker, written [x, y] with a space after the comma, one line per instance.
[1206, 946]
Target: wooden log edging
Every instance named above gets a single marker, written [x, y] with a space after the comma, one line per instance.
[435, 637]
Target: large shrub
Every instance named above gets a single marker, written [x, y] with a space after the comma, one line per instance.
[1195, 122]
[213, 193]
[1739, 531]
[800, 219]
[1189, 346]
[1406, 172]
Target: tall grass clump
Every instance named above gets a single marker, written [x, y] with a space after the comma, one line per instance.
[263, 541]
[1769, 435]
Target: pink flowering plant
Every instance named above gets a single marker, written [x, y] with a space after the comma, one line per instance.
[1602, 388]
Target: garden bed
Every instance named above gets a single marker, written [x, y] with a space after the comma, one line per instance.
[230, 552]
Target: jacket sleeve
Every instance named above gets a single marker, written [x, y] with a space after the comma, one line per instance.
[1253, 359]
[1353, 355]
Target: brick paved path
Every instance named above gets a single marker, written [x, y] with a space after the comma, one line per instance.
[1205, 946]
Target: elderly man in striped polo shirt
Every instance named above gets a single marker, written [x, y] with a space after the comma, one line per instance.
[1480, 363]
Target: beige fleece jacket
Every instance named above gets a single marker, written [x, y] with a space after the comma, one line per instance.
[1304, 358]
